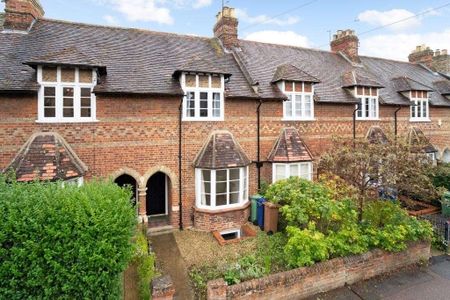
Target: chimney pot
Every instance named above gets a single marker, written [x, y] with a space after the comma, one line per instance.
[444, 52]
[226, 28]
[20, 14]
[346, 42]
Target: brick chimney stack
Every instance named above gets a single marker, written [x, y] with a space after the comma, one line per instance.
[20, 14]
[346, 42]
[226, 28]
[422, 55]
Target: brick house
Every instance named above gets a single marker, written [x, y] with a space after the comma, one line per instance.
[194, 124]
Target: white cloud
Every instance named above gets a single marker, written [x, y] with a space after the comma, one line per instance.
[399, 46]
[110, 20]
[279, 37]
[263, 19]
[382, 18]
[141, 10]
[201, 3]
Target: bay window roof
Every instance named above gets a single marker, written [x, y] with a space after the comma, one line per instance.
[290, 72]
[405, 84]
[376, 135]
[221, 151]
[47, 156]
[419, 142]
[289, 147]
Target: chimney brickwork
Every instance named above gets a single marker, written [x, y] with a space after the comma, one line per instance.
[20, 14]
[226, 28]
[438, 60]
[346, 42]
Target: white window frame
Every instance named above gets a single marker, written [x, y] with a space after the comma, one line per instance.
[293, 94]
[374, 114]
[417, 105]
[59, 85]
[287, 170]
[197, 90]
[243, 189]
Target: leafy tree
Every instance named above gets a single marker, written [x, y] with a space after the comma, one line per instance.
[368, 166]
[64, 242]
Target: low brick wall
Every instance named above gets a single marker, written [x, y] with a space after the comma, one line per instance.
[321, 277]
[219, 220]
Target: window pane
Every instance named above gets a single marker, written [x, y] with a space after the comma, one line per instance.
[67, 92]
[367, 108]
[293, 170]
[206, 175]
[373, 108]
[221, 175]
[234, 174]
[190, 104]
[288, 86]
[49, 91]
[86, 92]
[49, 112]
[221, 187]
[203, 81]
[206, 199]
[49, 74]
[280, 171]
[49, 101]
[366, 91]
[221, 200]
[68, 112]
[304, 170]
[216, 104]
[360, 108]
[234, 186]
[424, 109]
[298, 87]
[234, 198]
[86, 102]
[216, 82]
[308, 87]
[67, 74]
[68, 102]
[359, 91]
[308, 106]
[298, 105]
[85, 112]
[288, 106]
[85, 76]
[207, 187]
[190, 81]
[203, 104]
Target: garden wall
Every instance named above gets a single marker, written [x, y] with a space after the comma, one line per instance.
[321, 277]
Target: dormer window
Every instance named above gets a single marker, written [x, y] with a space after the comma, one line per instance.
[419, 106]
[300, 105]
[66, 94]
[204, 97]
[368, 106]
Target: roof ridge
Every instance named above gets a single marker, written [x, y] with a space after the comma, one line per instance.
[143, 30]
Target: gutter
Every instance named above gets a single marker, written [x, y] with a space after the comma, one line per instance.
[259, 163]
[180, 132]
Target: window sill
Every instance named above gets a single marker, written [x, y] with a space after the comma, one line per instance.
[298, 119]
[224, 209]
[67, 121]
[367, 119]
[420, 120]
[203, 120]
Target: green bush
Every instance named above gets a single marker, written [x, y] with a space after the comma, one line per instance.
[145, 263]
[441, 176]
[64, 242]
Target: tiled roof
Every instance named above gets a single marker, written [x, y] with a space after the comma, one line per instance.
[442, 86]
[137, 61]
[292, 73]
[47, 156]
[221, 151]
[419, 141]
[67, 56]
[359, 77]
[289, 147]
[376, 135]
[404, 84]
[200, 65]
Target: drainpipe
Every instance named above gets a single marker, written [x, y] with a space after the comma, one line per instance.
[395, 121]
[354, 124]
[180, 132]
[259, 163]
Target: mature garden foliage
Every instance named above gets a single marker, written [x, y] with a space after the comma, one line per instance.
[64, 242]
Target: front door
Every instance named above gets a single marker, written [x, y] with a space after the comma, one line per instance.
[157, 195]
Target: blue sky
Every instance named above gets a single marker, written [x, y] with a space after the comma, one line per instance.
[308, 26]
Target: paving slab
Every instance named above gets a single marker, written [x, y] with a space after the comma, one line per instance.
[344, 293]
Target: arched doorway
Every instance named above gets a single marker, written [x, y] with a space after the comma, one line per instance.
[446, 156]
[157, 194]
[127, 180]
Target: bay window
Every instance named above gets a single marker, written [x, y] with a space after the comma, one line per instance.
[222, 188]
[204, 97]
[368, 107]
[285, 170]
[300, 103]
[66, 94]
[419, 106]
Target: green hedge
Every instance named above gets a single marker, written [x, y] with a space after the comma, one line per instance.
[64, 242]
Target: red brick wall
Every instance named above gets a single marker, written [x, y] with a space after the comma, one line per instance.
[221, 220]
[141, 134]
[304, 282]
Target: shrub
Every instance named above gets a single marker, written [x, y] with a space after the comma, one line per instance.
[145, 263]
[64, 242]
[245, 269]
[441, 176]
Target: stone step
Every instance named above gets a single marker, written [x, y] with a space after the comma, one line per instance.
[154, 231]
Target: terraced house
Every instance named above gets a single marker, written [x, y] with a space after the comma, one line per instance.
[194, 124]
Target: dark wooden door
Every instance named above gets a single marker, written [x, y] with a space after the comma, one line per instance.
[156, 194]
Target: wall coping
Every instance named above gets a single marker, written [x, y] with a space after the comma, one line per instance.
[222, 211]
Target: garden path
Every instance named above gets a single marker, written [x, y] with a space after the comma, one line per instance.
[169, 257]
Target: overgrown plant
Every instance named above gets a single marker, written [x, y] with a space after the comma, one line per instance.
[145, 264]
[64, 242]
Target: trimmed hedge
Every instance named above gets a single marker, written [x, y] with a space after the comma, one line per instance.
[64, 242]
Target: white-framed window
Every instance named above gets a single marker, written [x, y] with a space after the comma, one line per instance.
[222, 188]
[419, 106]
[368, 107]
[285, 170]
[66, 94]
[204, 97]
[300, 103]
[79, 181]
